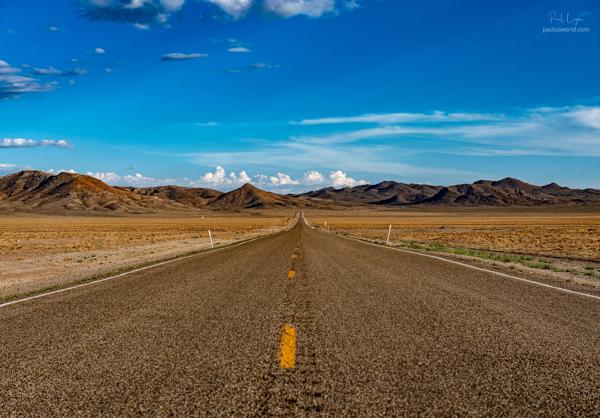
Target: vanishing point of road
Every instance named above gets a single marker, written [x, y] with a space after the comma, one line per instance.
[303, 323]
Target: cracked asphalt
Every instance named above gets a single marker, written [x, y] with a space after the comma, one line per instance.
[376, 332]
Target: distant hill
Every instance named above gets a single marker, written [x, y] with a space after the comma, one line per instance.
[250, 197]
[56, 193]
[187, 196]
[67, 191]
[502, 193]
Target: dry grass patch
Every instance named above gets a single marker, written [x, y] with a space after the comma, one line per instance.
[566, 235]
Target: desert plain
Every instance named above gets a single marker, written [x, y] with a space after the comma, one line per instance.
[560, 242]
[41, 252]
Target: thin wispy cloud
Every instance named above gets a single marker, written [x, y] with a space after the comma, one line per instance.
[51, 71]
[178, 56]
[252, 67]
[572, 130]
[12, 84]
[392, 118]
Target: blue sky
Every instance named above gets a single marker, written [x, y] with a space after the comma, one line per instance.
[301, 94]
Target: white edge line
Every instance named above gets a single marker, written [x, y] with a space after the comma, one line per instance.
[497, 273]
[162, 263]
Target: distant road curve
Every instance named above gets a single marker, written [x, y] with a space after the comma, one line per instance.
[303, 323]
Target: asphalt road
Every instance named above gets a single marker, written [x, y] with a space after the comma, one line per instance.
[303, 324]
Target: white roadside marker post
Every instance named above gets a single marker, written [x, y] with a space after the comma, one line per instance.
[210, 238]
[387, 241]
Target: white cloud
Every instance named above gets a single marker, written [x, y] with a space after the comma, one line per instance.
[234, 8]
[208, 124]
[172, 5]
[107, 177]
[28, 143]
[100, 51]
[283, 180]
[340, 179]
[313, 178]
[392, 118]
[47, 71]
[9, 168]
[288, 8]
[587, 116]
[51, 71]
[178, 56]
[219, 177]
[244, 178]
[239, 50]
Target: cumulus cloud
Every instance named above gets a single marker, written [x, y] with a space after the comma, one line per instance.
[282, 179]
[178, 56]
[340, 179]
[313, 177]
[12, 84]
[100, 51]
[288, 8]
[587, 116]
[29, 143]
[234, 8]
[220, 177]
[132, 180]
[141, 12]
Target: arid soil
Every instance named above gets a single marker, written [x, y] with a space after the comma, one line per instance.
[41, 252]
[557, 241]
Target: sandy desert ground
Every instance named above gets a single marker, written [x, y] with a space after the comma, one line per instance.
[559, 240]
[43, 252]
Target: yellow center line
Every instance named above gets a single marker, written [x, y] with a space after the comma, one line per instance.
[294, 256]
[287, 347]
[291, 274]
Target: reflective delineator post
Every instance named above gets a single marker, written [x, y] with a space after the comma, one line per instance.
[210, 238]
[387, 241]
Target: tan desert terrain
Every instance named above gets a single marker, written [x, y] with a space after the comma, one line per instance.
[42, 252]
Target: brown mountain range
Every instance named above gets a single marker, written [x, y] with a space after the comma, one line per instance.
[502, 193]
[39, 191]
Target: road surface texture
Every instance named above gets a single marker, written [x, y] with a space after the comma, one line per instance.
[303, 323]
